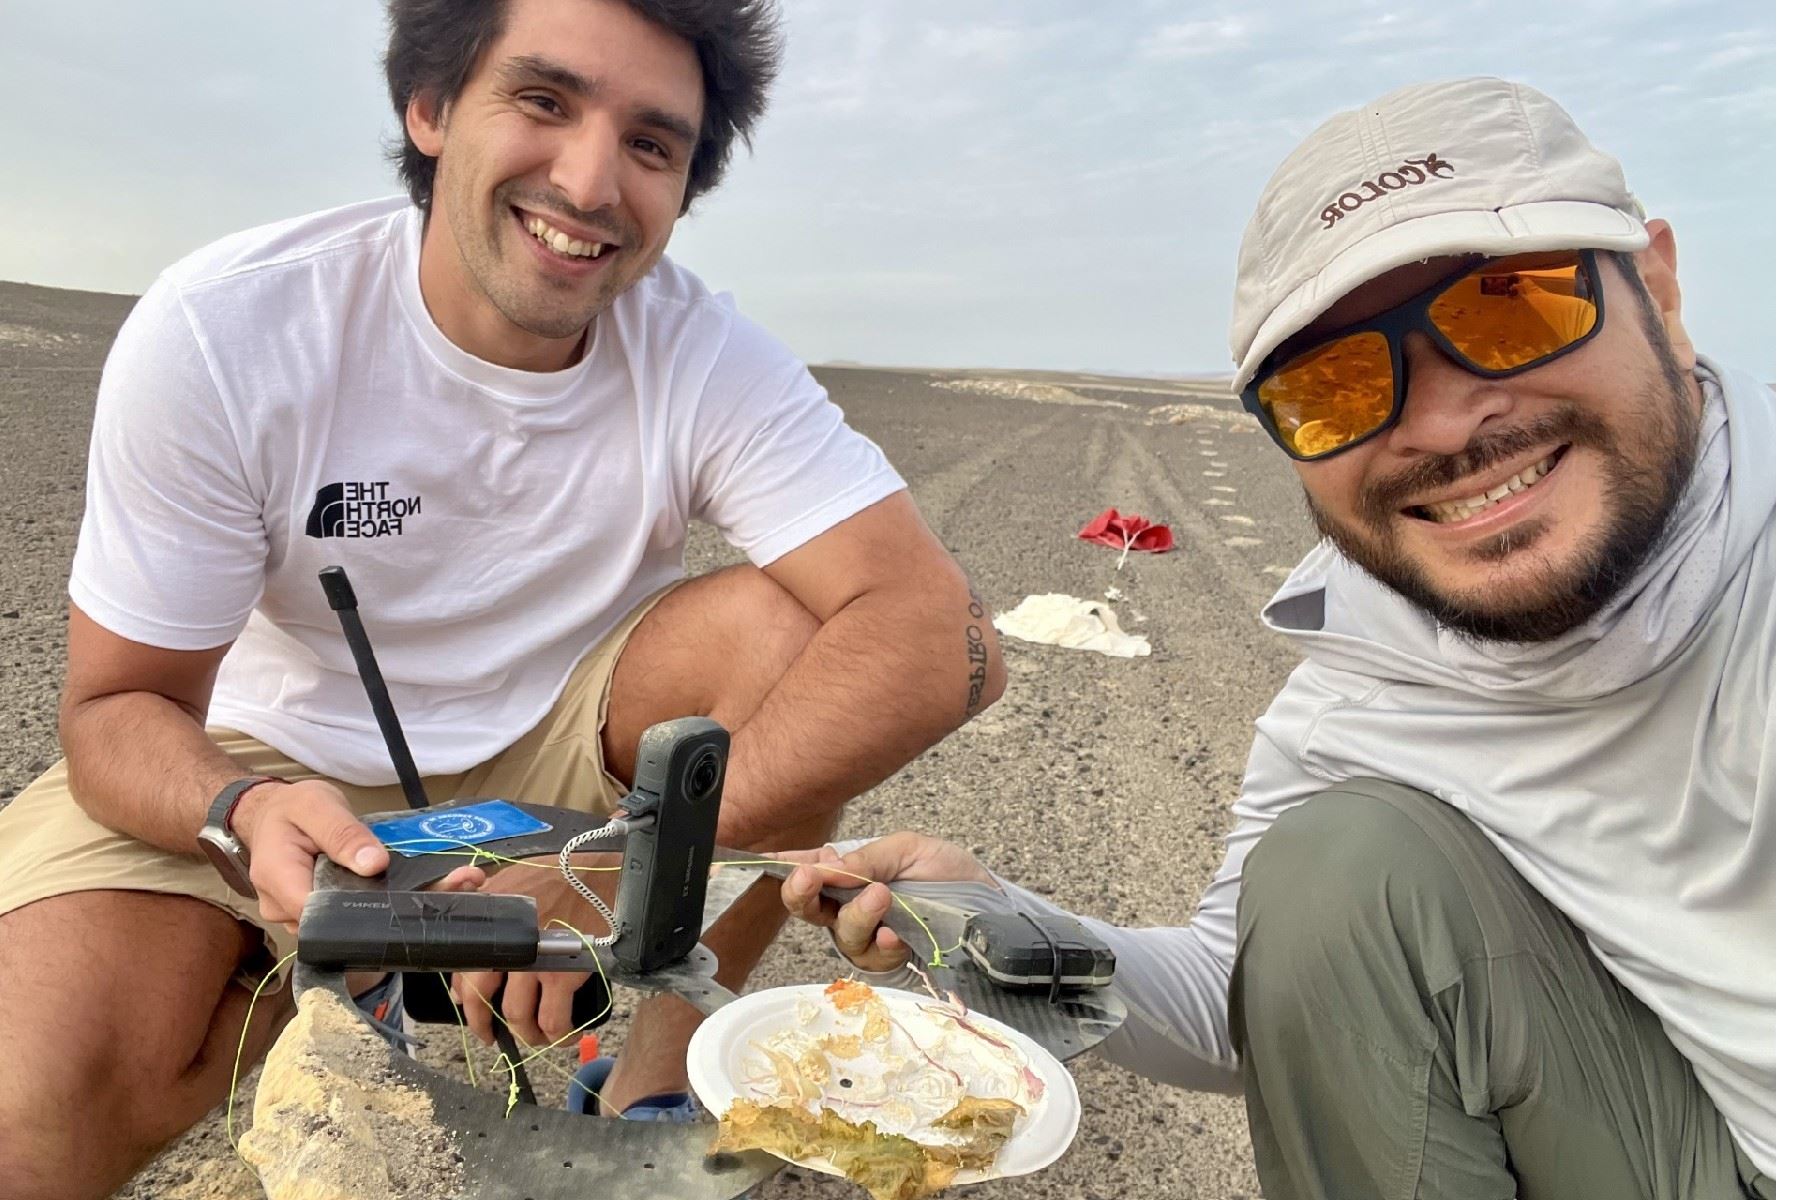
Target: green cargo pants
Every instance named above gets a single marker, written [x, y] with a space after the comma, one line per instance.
[1415, 1021]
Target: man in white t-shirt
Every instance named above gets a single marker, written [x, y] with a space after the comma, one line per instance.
[497, 406]
[1497, 918]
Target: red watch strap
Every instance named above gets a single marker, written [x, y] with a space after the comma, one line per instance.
[249, 785]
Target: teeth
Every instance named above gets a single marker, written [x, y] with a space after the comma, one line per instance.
[1451, 511]
[561, 242]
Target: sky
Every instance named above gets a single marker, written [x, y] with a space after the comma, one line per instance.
[1055, 184]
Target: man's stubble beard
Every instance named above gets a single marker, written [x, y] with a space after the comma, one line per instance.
[482, 253]
[1642, 492]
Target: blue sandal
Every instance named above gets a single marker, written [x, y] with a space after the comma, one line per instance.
[383, 1007]
[584, 1097]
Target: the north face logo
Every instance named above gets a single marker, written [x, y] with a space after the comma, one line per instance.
[359, 510]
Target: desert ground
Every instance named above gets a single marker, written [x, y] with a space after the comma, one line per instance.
[1105, 783]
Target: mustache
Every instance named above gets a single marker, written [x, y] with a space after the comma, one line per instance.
[1570, 425]
[617, 230]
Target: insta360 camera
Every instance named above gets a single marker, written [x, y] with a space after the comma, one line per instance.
[680, 777]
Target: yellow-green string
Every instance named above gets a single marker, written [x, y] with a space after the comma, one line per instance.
[513, 1066]
[937, 951]
[477, 857]
[462, 1030]
[238, 1061]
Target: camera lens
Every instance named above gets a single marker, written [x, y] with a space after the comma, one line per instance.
[703, 775]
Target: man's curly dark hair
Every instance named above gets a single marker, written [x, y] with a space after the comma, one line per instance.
[433, 45]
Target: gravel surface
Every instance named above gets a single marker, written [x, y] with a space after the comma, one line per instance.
[1103, 782]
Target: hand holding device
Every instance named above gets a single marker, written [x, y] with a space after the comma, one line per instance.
[856, 924]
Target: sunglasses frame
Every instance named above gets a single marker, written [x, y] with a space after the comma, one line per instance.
[1394, 324]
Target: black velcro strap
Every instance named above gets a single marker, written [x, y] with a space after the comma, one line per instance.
[1055, 956]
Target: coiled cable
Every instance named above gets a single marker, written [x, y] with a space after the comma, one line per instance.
[617, 827]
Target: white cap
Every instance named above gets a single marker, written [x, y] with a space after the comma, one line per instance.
[1472, 166]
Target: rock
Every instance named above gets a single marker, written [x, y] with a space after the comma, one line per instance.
[334, 1121]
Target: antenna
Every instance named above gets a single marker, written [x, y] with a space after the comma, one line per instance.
[342, 598]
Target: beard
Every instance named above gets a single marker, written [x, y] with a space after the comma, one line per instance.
[542, 307]
[1645, 469]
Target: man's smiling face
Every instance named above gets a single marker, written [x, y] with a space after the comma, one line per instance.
[562, 167]
[1513, 509]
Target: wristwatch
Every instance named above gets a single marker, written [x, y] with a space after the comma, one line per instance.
[220, 845]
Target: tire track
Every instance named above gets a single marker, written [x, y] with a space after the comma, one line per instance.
[1217, 531]
[944, 493]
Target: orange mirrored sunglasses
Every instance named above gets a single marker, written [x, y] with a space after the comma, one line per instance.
[1499, 317]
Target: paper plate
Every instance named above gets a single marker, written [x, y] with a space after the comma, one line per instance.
[722, 1055]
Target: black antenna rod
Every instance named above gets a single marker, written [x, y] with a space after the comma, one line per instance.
[342, 598]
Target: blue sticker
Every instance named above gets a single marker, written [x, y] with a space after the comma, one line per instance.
[428, 833]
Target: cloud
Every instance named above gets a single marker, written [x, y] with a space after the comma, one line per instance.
[1040, 182]
[1740, 50]
[839, 91]
[989, 43]
[1196, 39]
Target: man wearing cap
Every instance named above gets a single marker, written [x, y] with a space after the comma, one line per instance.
[1497, 918]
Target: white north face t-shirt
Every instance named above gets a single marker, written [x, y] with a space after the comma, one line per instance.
[281, 401]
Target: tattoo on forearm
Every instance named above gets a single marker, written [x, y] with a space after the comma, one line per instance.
[978, 655]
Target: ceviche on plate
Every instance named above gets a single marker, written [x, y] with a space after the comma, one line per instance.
[904, 1094]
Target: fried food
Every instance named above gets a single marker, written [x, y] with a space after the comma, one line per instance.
[900, 1099]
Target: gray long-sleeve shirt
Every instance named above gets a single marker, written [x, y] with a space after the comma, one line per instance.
[1631, 781]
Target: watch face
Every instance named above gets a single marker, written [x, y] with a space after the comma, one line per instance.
[228, 859]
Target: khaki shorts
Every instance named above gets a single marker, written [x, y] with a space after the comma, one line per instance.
[49, 847]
